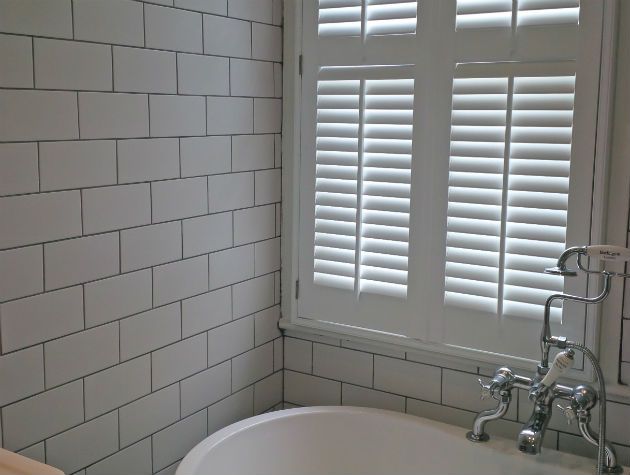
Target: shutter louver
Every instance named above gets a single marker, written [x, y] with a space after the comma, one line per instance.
[340, 17]
[391, 17]
[548, 12]
[337, 159]
[476, 166]
[499, 13]
[382, 17]
[483, 14]
[507, 218]
[386, 183]
[538, 191]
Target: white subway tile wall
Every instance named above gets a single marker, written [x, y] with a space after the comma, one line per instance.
[140, 208]
[322, 371]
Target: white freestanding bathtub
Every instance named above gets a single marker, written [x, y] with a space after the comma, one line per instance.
[357, 441]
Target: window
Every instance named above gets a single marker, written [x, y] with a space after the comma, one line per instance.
[446, 159]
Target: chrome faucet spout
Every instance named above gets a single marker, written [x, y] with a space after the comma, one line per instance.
[532, 434]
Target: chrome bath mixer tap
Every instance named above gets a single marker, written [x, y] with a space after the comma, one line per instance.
[542, 388]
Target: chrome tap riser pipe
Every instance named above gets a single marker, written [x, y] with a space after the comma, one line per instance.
[545, 336]
[587, 433]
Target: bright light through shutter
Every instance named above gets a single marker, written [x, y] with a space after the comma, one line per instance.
[498, 13]
[475, 192]
[363, 179]
[337, 159]
[382, 17]
[483, 13]
[391, 17]
[507, 218]
[548, 12]
[386, 182]
[340, 17]
[538, 190]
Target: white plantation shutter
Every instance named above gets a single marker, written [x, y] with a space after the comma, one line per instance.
[508, 186]
[446, 161]
[367, 17]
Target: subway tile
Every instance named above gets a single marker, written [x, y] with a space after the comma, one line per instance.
[80, 164]
[252, 295]
[268, 186]
[462, 390]
[174, 442]
[114, 387]
[278, 150]
[109, 21]
[35, 452]
[177, 116]
[149, 331]
[150, 245]
[307, 390]
[148, 415]
[18, 168]
[41, 318]
[32, 219]
[205, 155]
[39, 115]
[109, 115]
[407, 379]
[77, 355]
[72, 65]
[266, 42]
[230, 191]
[268, 393]
[266, 325]
[231, 266]
[625, 348]
[230, 115]
[117, 297]
[276, 290]
[144, 70]
[617, 416]
[207, 234]
[170, 470]
[85, 444]
[267, 116]
[342, 364]
[232, 409]
[252, 366]
[116, 207]
[179, 280]
[277, 79]
[364, 397]
[227, 37]
[437, 412]
[80, 260]
[229, 340]
[177, 199]
[376, 348]
[206, 311]
[173, 29]
[148, 160]
[206, 388]
[203, 75]
[178, 361]
[22, 373]
[21, 272]
[277, 12]
[278, 354]
[256, 10]
[625, 373]
[251, 78]
[42, 416]
[254, 224]
[135, 459]
[298, 355]
[207, 6]
[37, 17]
[267, 256]
[252, 152]
[16, 57]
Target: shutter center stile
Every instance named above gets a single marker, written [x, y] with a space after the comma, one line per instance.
[361, 152]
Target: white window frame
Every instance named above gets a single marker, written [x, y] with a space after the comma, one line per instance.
[608, 329]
